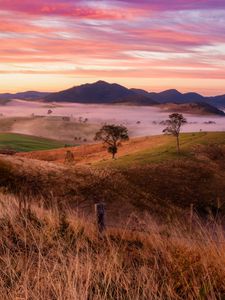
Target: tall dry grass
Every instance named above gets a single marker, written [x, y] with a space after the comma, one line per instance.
[44, 255]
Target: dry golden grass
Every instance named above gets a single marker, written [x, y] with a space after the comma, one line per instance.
[142, 151]
[47, 256]
[54, 251]
[164, 189]
[87, 154]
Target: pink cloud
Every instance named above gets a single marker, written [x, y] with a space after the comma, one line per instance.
[130, 39]
[176, 4]
[65, 8]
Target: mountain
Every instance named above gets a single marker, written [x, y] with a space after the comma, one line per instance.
[29, 95]
[193, 97]
[174, 96]
[140, 92]
[218, 101]
[166, 96]
[100, 92]
[136, 99]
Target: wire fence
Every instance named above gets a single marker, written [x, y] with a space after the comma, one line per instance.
[208, 235]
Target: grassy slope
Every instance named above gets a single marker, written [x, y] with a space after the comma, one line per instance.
[149, 175]
[136, 151]
[166, 150]
[21, 143]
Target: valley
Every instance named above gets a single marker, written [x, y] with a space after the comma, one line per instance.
[74, 123]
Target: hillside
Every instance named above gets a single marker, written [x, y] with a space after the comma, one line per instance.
[199, 108]
[218, 101]
[136, 150]
[136, 100]
[29, 95]
[23, 143]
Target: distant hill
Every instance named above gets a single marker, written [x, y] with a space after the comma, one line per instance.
[174, 96]
[218, 101]
[200, 108]
[29, 95]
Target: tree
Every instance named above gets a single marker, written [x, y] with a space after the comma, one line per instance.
[174, 124]
[112, 136]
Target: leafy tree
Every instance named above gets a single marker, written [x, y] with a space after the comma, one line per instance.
[174, 124]
[112, 136]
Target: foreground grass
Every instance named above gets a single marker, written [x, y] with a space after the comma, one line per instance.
[48, 256]
[25, 143]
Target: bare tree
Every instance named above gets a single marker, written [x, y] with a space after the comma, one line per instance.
[174, 124]
[112, 136]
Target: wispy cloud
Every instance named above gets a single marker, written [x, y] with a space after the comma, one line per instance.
[114, 39]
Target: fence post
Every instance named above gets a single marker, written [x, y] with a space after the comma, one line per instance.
[100, 216]
[191, 216]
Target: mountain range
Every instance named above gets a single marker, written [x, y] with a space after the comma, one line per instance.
[106, 93]
[102, 92]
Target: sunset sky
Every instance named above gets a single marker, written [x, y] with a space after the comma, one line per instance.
[151, 44]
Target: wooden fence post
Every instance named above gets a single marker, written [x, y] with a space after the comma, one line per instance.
[191, 216]
[100, 216]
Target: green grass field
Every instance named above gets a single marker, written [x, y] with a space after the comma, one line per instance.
[167, 149]
[25, 143]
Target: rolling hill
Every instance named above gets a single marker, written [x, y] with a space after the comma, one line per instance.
[147, 168]
[23, 143]
[200, 108]
[29, 95]
[136, 150]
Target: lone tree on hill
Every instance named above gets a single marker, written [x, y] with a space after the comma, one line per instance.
[174, 124]
[112, 136]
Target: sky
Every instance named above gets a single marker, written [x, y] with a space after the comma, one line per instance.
[151, 44]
